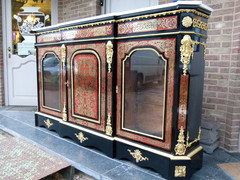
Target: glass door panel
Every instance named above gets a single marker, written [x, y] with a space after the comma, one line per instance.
[144, 93]
[51, 82]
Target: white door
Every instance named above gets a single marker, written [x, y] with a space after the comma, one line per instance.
[110, 6]
[19, 17]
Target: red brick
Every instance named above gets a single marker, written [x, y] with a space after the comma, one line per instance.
[225, 57]
[216, 101]
[236, 71]
[234, 90]
[209, 106]
[210, 94]
[228, 4]
[222, 107]
[211, 69]
[227, 31]
[211, 82]
[236, 24]
[236, 30]
[212, 57]
[217, 6]
[236, 43]
[222, 95]
[234, 83]
[217, 88]
[219, 64]
[228, 18]
[224, 70]
[223, 11]
[235, 57]
[215, 19]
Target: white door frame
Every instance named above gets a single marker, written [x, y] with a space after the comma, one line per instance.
[54, 20]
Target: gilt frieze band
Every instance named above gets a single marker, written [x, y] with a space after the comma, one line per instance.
[157, 24]
[51, 37]
[87, 32]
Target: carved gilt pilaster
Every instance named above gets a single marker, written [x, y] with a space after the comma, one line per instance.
[109, 54]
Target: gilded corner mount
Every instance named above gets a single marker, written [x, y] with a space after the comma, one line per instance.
[181, 147]
[180, 171]
[187, 49]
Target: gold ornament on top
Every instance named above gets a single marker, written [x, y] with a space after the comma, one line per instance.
[109, 54]
[187, 21]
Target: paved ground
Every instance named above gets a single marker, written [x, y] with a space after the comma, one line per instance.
[20, 122]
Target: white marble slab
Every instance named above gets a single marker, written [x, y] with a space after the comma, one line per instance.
[168, 5]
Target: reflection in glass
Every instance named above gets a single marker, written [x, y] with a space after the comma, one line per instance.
[51, 81]
[26, 16]
[144, 86]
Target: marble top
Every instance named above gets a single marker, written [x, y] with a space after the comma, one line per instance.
[104, 16]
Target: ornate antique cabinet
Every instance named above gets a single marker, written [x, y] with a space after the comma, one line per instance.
[128, 84]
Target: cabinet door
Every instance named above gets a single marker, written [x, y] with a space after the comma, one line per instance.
[145, 81]
[50, 75]
[87, 90]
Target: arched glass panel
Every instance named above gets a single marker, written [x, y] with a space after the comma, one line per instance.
[51, 81]
[144, 93]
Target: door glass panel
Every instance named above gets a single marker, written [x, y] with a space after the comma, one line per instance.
[144, 89]
[51, 82]
[26, 16]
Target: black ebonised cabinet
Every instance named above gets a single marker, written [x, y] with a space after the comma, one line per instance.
[129, 84]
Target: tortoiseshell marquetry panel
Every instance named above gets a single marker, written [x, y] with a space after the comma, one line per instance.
[87, 90]
[148, 25]
[165, 49]
[49, 37]
[74, 33]
[183, 101]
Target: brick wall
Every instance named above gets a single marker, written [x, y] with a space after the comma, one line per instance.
[1, 61]
[76, 9]
[222, 77]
